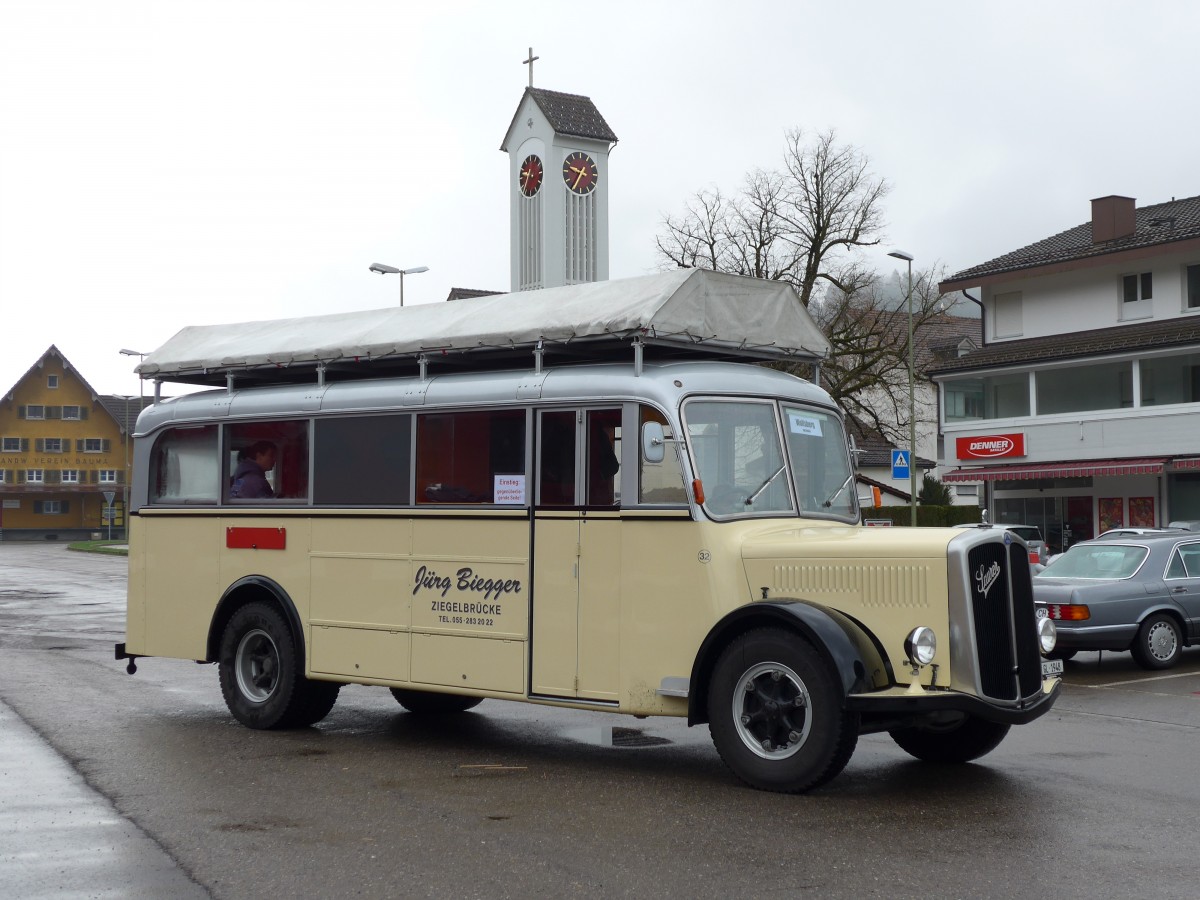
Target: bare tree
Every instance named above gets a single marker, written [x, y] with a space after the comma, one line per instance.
[795, 224]
[867, 369]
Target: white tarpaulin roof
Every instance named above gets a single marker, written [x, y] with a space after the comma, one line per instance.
[687, 308]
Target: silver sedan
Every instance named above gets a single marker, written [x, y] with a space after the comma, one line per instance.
[1139, 593]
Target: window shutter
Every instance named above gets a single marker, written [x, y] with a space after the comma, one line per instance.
[20, 412]
[20, 476]
[39, 445]
[53, 476]
[53, 412]
[66, 506]
[106, 445]
[8, 476]
[83, 413]
[79, 446]
[121, 476]
[37, 507]
[93, 476]
[24, 445]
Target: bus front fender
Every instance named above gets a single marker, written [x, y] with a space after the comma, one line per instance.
[812, 623]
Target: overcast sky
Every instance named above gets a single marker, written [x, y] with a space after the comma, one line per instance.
[166, 163]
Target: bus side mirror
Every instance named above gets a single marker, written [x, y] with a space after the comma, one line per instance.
[653, 442]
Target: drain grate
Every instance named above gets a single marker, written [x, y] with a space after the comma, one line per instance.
[631, 737]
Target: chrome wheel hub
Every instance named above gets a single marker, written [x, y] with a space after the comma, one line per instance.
[771, 710]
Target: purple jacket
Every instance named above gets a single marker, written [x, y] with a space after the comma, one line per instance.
[250, 482]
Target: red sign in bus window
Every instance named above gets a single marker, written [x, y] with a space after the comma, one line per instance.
[256, 538]
[990, 446]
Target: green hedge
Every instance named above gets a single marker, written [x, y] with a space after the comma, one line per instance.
[927, 516]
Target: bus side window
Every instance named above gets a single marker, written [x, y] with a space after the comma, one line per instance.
[603, 456]
[460, 456]
[662, 482]
[267, 461]
[185, 467]
[362, 461]
[556, 458]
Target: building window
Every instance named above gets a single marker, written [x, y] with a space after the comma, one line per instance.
[12, 445]
[52, 381]
[1193, 287]
[35, 476]
[108, 476]
[50, 507]
[1008, 315]
[3, 477]
[49, 445]
[1137, 287]
[1170, 379]
[991, 397]
[70, 412]
[966, 490]
[93, 445]
[35, 412]
[1083, 388]
[70, 476]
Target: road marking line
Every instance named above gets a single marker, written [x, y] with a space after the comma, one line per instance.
[1140, 680]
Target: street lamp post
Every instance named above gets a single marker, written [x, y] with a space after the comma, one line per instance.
[912, 403]
[128, 432]
[392, 270]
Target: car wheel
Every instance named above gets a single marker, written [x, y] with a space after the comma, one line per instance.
[262, 675]
[776, 714]
[1158, 643]
[962, 742]
[429, 703]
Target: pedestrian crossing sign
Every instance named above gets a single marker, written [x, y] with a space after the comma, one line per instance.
[900, 461]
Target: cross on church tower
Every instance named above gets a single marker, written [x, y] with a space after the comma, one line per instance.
[529, 62]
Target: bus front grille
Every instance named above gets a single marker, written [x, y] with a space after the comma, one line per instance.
[1005, 630]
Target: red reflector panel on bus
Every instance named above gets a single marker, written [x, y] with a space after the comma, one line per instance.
[256, 538]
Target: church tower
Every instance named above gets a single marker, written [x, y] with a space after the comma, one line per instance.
[558, 146]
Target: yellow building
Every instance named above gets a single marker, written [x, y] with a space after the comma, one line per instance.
[63, 455]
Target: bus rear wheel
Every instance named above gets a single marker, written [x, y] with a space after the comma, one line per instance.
[776, 715]
[262, 674]
[429, 703]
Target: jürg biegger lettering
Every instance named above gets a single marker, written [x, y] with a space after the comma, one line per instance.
[466, 581]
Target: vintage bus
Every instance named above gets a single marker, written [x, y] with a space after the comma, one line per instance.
[583, 497]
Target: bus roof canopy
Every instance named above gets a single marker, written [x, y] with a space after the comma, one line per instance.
[681, 313]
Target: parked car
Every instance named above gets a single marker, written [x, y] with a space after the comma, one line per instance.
[1139, 593]
[1118, 533]
[1030, 534]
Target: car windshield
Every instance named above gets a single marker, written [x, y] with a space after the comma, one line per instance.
[1026, 532]
[1096, 561]
[747, 469]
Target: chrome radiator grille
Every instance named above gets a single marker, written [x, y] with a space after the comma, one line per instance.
[1001, 593]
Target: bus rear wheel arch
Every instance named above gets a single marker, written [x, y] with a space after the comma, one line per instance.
[776, 713]
[262, 672]
[430, 703]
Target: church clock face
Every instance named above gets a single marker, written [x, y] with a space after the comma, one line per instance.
[579, 173]
[530, 178]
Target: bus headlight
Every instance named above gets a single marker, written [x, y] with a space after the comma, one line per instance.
[921, 645]
[1047, 634]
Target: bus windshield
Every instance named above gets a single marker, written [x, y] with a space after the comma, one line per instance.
[757, 457]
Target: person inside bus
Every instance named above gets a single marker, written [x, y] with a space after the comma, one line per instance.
[250, 476]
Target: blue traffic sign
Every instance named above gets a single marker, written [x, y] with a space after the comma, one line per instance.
[900, 464]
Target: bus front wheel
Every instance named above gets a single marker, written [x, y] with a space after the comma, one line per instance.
[262, 674]
[776, 715]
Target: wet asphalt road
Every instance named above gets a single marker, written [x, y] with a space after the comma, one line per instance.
[1098, 797]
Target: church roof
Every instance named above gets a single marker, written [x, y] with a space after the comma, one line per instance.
[570, 114]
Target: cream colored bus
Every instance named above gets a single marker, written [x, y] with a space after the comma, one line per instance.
[620, 516]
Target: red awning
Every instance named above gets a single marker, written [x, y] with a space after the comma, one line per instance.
[1080, 469]
[1192, 462]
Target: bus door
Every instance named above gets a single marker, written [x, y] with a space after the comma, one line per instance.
[577, 554]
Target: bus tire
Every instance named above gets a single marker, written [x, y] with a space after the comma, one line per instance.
[962, 742]
[262, 674]
[776, 715]
[429, 703]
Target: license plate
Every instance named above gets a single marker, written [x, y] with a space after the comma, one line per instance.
[1052, 667]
